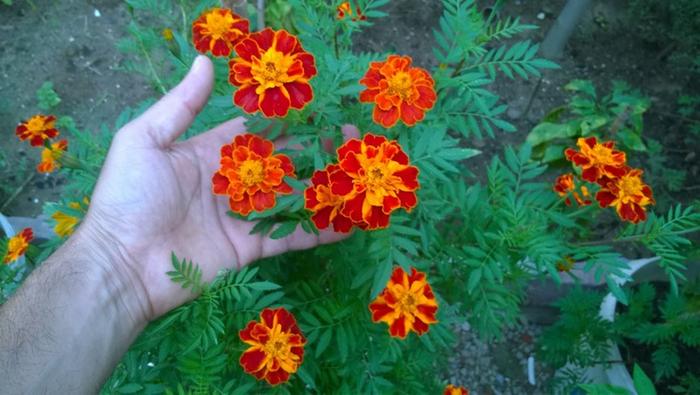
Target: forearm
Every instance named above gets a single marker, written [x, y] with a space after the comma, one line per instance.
[69, 324]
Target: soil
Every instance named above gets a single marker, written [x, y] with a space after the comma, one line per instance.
[72, 44]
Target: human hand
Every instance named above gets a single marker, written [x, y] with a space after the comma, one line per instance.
[154, 196]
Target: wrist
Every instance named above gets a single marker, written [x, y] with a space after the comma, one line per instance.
[112, 266]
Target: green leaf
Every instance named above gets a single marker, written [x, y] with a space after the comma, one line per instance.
[47, 97]
[263, 285]
[285, 229]
[584, 86]
[603, 389]
[323, 342]
[129, 388]
[631, 140]
[642, 383]
[616, 290]
[546, 132]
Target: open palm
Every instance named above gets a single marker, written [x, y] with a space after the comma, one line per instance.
[154, 197]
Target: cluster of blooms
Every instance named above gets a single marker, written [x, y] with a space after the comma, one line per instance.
[17, 245]
[344, 10]
[270, 69]
[40, 130]
[620, 186]
[372, 179]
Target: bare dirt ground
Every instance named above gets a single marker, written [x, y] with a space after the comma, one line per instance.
[72, 44]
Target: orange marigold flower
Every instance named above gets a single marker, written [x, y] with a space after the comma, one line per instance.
[374, 179]
[597, 160]
[251, 175]
[399, 91]
[218, 30]
[37, 129]
[50, 157]
[565, 185]
[17, 245]
[276, 346]
[453, 390]
[272, 73]
[324, 203]
[628, 194]
[344, 9]
[406, 304]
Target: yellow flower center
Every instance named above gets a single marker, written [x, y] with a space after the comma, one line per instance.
[630, 187]
[408, 303]
[15, 244]
[219, 25]
[35, 124]
[278, 347]
[271, 70]
[601, 154]
[251, 172]
[401, 84]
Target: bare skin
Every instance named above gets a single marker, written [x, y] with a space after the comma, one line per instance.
[71, 321]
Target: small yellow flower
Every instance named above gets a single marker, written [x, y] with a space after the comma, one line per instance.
[65, 223]
[167, 34]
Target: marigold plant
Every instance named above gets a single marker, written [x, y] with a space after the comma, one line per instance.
[431, 238]
[17, 245]
[455, 390]
[217, 31]
[398, 90]
[50, 157]
[276, 346]
[37, 129]
[251, 175]
[272, 72]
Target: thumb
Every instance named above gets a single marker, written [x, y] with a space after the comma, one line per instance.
[166, 120]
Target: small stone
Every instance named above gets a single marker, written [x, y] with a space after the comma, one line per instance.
[541, 16]
[36, 200]
[97, 13]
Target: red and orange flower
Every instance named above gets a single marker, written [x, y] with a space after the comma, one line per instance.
[50, 157]
[374, 179]
[565, 185]
[597, 160]
[250, 175]
[276, 346]
[398, 90]
[325, 205]
[345, 10]
[217, 31]
[37, 129]
[17, 245]
[406, 304]
[272, 73]
[454, 390]
[628, 194]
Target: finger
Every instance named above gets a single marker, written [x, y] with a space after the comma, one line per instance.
[166, 120]
[299, 240]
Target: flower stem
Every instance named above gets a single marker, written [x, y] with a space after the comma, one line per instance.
[631, 238]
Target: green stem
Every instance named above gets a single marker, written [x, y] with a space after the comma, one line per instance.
[632, 238]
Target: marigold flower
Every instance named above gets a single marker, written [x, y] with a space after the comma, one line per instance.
[399, 91]
[251, 175]
[375, 180]
[406, 304]
[50, 157]
[326, 206]
[597, 160]
[17, 245]
[276, 346]
[565, 185]
[453, 390]
[628, 194]
[272, 73]
[343, 10]
[37, 129]
[65, 223]
[218, 30]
